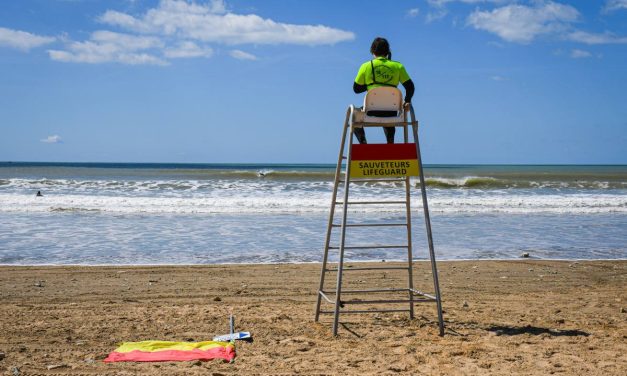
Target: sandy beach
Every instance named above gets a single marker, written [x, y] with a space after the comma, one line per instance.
[502, 317]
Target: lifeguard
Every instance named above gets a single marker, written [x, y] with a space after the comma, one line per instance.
[381, 71]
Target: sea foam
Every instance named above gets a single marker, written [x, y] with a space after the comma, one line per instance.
[313, 202]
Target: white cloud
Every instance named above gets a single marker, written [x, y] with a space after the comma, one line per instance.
[213, 23]
[436, 15]
[440, 3]
[612, 5]
[130, 42]
[413, 12]
[182, 29]
[113, 17]
[22, 40]
[218, 6]
[241, 55]
[579, 54]
[595, 38]
[522, 24]
[54, 139]
[187, 49]
[439, 7]
[108, 47]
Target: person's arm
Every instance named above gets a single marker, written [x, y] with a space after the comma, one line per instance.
[359, 85]
[409, 90]
[357, 88]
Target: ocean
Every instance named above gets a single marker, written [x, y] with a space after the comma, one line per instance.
[129, 214]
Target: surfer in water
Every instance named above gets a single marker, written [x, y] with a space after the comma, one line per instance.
[39, 194]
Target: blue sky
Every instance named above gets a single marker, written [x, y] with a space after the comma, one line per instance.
[269, 81]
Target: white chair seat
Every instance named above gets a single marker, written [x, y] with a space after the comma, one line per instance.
[359, 116]
[383, 98]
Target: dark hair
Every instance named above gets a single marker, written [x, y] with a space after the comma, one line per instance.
[380, 47]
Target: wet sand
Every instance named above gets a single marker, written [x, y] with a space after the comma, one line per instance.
[502, 317]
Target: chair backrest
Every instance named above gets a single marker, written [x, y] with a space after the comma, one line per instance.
[383, 98]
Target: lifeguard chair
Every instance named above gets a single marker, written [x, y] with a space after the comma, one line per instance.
[383, 107]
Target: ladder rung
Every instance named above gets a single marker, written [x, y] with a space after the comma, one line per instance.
[372, 247]
[343, 157]
[374, 180]
[366, 291]
[391, 301]
[385, 125]
[367, 311]
[375, 268]
[371, 225]
[420, 293]
[325, 297]
[370, 202]
[415, 292]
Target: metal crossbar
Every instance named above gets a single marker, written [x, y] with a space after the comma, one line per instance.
[371, 202]
[399, 124]
[373, 268]
[370, 247]
[388, 301]
[366, 311]
[374, 181]
[343, 179]
[371, 225]
[362, 291]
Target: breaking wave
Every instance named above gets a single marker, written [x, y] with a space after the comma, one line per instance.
[253, 178]
[313, 202]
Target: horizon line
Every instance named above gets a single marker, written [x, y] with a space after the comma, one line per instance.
[312, 163]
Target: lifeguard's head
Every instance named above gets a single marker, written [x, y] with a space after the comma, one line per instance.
[380, 47]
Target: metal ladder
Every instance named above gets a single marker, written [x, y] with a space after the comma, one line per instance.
[414, 296]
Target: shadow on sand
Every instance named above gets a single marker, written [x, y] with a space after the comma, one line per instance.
[534, 330]
[351, 331]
